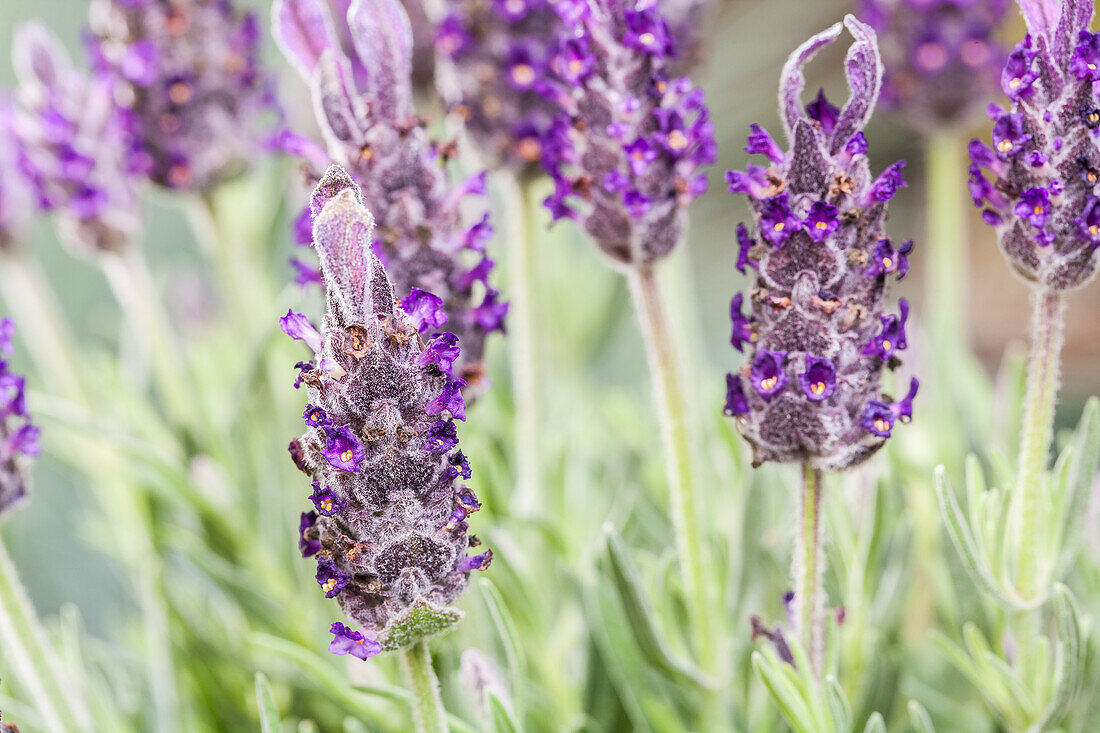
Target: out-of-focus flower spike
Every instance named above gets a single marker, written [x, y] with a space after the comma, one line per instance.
[303, 31]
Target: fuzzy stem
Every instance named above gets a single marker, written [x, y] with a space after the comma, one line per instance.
[427, 705]
[1047, 323]
[521, 340]
[809, 571]
[31, 658]
[672, 412]
[947, 251]
[136, 293]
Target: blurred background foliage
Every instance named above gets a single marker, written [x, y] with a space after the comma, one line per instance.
[223, 499]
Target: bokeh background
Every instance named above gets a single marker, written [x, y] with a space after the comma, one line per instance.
[745, 44]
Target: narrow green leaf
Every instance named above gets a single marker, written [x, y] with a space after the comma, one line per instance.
[969, 552]
[1082, 472]
[509, 638]
[1070, 654]
[919, 718]
[839, 707]
[351, 725]
[265, 702]
[875, 724]
[640, 614]
[500, 717]
[783, 692]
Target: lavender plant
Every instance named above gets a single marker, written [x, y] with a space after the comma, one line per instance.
[18, 435]
[389, 531]
[818, 335]
[1039, 200]
[190, 77]
[433, 253]
[625, 151]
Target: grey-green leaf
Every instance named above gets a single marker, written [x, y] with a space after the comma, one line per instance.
[265, 701]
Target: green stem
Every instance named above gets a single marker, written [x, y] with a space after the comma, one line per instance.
[672, 411]
[32, 661]
[947, 250]
[809, 571]
[521, 340]
[1047, 323]
[133, 286]
[427, 705]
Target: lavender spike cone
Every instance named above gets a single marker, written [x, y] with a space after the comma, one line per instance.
[389, 524]
[369, 126]
[190, 73]
[1038, 182]
[818, 336]
[941, 57]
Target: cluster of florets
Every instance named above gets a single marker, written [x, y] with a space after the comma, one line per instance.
[1038, 181]
[77, 147]
[388, 525]
[941, 57]
[16, 197]
[18, 436]
[494, 55]
[817, 335]
[626, 147]
[190, 73]
[422, 237]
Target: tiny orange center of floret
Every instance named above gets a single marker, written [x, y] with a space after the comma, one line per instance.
[647, 38]
[779, 226]
[1015, 83]
[346, 455]
[818, 388]
[886, 262]
[329, 584]
[881, 425]
[180, 92]
[523, 74]
[821, 225]
[1038, 209]
[677, 140]
[326, 504]
[1094, 229]
[886, 345]
[1004, 146]
[769, 382]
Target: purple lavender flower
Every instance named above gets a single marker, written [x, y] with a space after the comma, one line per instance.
[821, 339]
[628, 141]
[1037, 183]
[941, 57]
[78, 147]
[190, 74]
[389, 531]
[18, 436]
[358, 64]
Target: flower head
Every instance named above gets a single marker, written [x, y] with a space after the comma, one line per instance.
[941, 57]
[389, 519]
[358, 62]
[820, 337]
[78, 148]
[189, 74]
[628, 139]
[1036, 183]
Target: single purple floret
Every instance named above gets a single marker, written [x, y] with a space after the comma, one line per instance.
[345, 641]
[768, 376]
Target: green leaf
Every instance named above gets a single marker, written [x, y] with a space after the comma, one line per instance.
[973, 558]
[919, 718]
[784, 692]
[839, 707]
[509, 637]
[640, 615]
[265, 702]
[875, 724]
[1070, 654]
[1083, 465]
[500, 717]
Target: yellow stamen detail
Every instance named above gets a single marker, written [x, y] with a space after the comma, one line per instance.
[1004, 146]
[881, 425]
[326, 504]
[1094, 230]
[821, 225]
[346, 455]
[646, 38]
[887, 262]
[818, 388]
[1015, 83]
[523, 74]
[886, 345]
[329, 585]
[779, 226]
[769, 383]
[1038, 209]
[677, 140]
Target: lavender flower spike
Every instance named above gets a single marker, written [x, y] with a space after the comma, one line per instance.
[942, 59]
[1038, 181]
[391, 537]
[627, 145]
[16, 196]
[358, 63]
[810, 390]
[190, 74]
[18, 436]
[78, 146]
